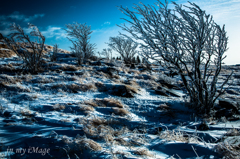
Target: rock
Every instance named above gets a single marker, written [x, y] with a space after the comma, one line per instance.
[132, 66]
[167, 85]
[108, 70]
[109, 64]
[161, 92]
[96, 63]
[236, 76]
[74, 72]
[9, 121]
[7, 114]
[123, 91]
[158, 130]
[22, 97]
[232, 92]
[224, 113]
[171, 73]
[203, 126]
[147, 77]
[94, 58]
[155, 131]
[143, 68]
[228, 105]
[163, 107]
[166, 92]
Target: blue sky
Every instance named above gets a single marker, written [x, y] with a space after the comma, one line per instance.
[52, 15]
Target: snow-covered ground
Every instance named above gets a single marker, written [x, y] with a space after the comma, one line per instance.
[72, 112]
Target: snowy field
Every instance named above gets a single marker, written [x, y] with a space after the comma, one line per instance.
[108, 110]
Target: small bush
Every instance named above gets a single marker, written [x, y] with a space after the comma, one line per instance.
[18, 41]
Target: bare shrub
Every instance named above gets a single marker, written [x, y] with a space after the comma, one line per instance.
[125, 47]
[182, 39]
[53, 55]
[82, 47]
[107, 53]
[17, 42]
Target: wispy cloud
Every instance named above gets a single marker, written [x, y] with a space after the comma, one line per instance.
[7, 31]
[221, 10]
[50, 32]
[106, 23]
[16, 16]
[54, 32]
[21, 17]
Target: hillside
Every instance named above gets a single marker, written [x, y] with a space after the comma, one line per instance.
[105, 109]
[6, 52]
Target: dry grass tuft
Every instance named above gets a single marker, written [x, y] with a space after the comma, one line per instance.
[27, 113]
[86, 108]
[69, 68]
[233, 132]
[96, 121]
[58, 107]
[88, 87]
[89, 144]
[131, 88]
[74, 88]
[120, 111]
[116, 76]
[227, 150]
[9, 79]
[101, 86]
[91, 103]
[109, 102]
[42, 79]
[176, 135]
[143, 152]
[135, 72]
[106, 102]
[100, 131]
[121, 141]
[99, 128]
[66, 139]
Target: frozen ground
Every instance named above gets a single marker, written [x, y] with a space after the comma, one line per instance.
[92, 112]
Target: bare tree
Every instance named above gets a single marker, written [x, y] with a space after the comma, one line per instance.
[107, 53]
[80, 37]
[22, 44]
[125, 47]
[186, 40]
